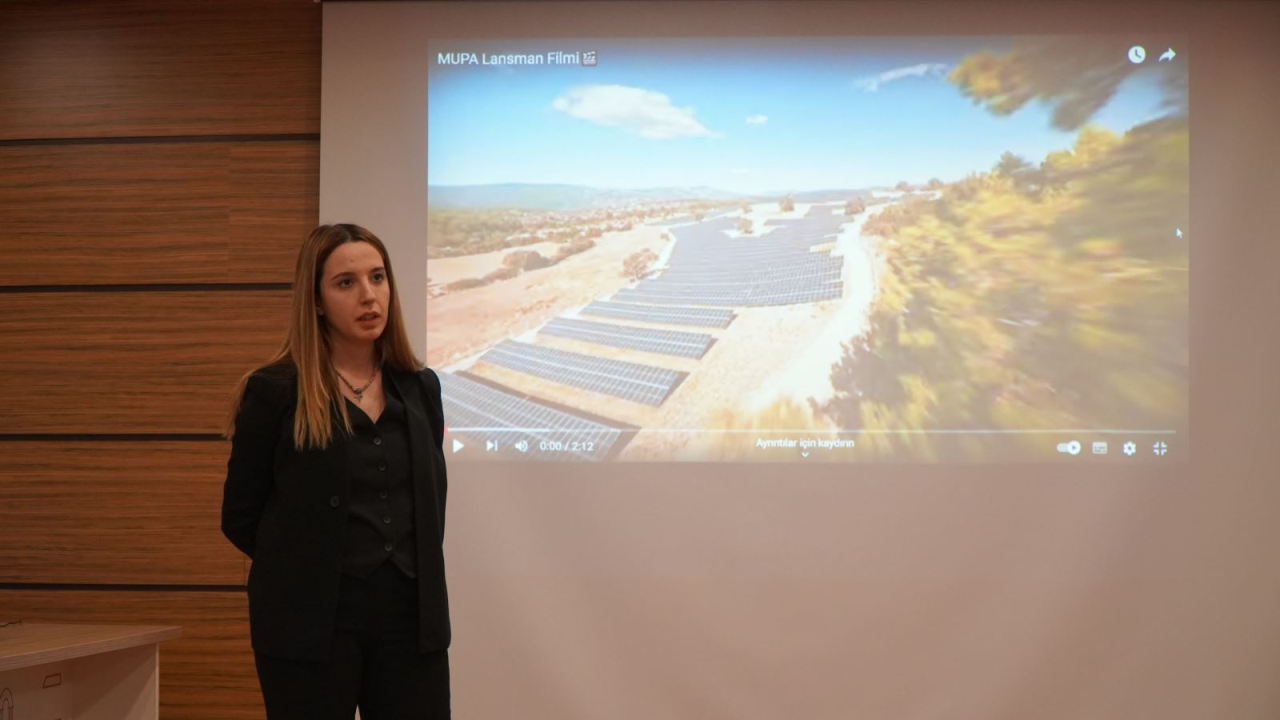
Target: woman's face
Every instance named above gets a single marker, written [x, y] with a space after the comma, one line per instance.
[355, 294]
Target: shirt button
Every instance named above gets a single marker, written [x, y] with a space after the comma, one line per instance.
[334, 501]
[377, 441]
[383, 495]
[382, 466]
[386, 520]
[387, 547]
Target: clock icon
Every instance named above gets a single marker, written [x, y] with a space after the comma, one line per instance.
[1137, 54]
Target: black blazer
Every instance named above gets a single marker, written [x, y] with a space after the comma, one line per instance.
[288, 511]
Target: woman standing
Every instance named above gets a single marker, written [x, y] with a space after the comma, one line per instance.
[336, 489]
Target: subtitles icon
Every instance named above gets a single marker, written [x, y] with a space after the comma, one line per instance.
[1099, 447]
[589, 58]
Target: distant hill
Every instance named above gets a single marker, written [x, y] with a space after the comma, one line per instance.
[532, 196]
[529, 196]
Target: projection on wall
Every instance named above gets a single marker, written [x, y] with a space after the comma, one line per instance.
[854, 249]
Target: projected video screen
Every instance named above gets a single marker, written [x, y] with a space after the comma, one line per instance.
[837, 249]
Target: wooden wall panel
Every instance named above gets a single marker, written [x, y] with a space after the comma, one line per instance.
[144, 142]
[148, 213]
[131, 362]
[207, 674]
[274, 201]
[129, 68]
[115, 513]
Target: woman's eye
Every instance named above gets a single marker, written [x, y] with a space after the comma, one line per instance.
[344, 282]
[379, 277]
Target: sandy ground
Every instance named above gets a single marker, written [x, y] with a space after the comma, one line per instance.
[465, 323]
[443, 271]
[810, 375]
[767, 356]
[759, 344]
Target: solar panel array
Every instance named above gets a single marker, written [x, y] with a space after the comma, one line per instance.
[666, 315]
[707, 274]
[664, 342]
[709, 268]
[636, 382]
[506, 419]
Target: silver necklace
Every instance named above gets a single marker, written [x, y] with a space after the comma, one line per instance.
[359, 391]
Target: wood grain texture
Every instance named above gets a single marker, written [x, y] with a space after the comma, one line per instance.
[213, 212]
[207, 674]
[222, 209]
[115, 513]
[132, 362]
[274, 201]
[130, 68]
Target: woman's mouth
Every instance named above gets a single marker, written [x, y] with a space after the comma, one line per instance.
[368, 318]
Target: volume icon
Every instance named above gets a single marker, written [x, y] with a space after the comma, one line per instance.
[523, 446]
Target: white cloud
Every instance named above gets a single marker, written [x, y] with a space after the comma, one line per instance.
[757, 119]
[873, 83]
[644, 112]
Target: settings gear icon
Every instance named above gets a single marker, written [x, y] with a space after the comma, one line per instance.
[1130, 448]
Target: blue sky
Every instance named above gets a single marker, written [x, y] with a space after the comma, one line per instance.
[749, 116]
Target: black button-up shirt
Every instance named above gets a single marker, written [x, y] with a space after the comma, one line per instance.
[380, 517]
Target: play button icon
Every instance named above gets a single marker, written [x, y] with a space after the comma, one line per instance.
[457, 446]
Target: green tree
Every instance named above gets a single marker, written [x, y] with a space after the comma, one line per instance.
[1030, 296]
[1076, 76]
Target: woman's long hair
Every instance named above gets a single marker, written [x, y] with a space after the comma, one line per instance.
[306, 345]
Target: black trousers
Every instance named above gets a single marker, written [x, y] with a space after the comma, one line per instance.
[375, 663]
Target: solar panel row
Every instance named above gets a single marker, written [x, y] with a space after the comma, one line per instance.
[667, 315]
[664, 342]
[636, 382]
[820, 267]
[758, 297]
[708, 268]
[731, 264]
[506, 419]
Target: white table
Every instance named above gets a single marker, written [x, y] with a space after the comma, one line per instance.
[81, 672]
